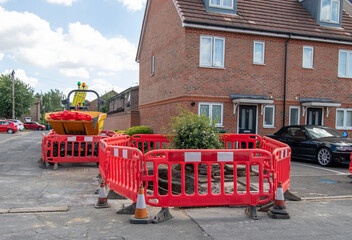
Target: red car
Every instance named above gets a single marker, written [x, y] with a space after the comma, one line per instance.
[34, 125]
[7, 126]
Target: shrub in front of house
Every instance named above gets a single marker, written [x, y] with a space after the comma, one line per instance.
[190, 131]
[139, 130]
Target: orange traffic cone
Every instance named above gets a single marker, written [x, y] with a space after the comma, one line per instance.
[279, 209]
[103, 198]
[140, 215]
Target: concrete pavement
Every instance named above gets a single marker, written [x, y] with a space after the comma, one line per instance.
[38, 203]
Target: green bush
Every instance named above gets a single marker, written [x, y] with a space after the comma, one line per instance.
[119, 131]
[138, 130]
[190, 131]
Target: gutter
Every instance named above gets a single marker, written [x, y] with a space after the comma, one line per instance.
[285, 81]
[264, 32]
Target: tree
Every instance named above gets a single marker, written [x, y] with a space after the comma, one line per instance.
[51, 102]
[23, 97]
[106, 97]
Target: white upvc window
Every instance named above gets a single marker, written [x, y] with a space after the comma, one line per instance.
[269, 116]
[294, 115]
[330, 11]
[153, 66]
[343, 118]
[307, 59]
[258, 52]
[212, 110]
[212, 52]
[221, 3]
[345, 64]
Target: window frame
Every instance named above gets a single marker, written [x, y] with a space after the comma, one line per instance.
[212, 53]
[347, 64]
[221, 4]
[263, 61]
[330, 14]
[299, 112]
[210, 104]
[311, 63]
[344, 127]
[273, 119]
[153, 66]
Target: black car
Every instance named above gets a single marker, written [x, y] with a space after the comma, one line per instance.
[323, 144]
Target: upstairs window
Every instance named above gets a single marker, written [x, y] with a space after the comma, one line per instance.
[307, 61]
[345, 64]
[258, 52]
[330, 11]
[212, 51]
[221, 3]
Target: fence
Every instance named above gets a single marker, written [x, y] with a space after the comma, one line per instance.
[197, 177]
[351, 163]
[72, 148]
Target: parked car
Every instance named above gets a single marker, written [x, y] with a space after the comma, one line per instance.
[34, 125]
[18, 123]
[323, 144]
[8, 126]
[27, 119]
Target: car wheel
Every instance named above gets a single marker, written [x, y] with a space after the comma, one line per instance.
[9, 131]
[324, 157]
[40, 128]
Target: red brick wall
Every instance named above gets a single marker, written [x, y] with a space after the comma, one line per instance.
[121, 121]
[179, 79]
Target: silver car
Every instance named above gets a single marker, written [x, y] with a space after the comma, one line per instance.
[18, 123]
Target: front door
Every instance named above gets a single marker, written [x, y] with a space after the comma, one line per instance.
[247, 119]
[314, 116]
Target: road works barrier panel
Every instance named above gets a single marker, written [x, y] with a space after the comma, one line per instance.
[118, 140]
[240, 141]
[351, 163]
[124, 170]
[148, 142]
[72, 148]
[281, 159]
[186, 177]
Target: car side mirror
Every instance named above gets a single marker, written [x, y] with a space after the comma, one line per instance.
[345, 134]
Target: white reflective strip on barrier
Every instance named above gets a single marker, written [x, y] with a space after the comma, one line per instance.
[124, 153]
[286, 151]
[141, 202]
[279, 194]
[102, 146]
[282, 154]
[88, 139]
[71, 139]
[225, 156]
[193, 156]
[116, 152]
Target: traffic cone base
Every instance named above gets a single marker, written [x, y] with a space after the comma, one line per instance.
[278, 216]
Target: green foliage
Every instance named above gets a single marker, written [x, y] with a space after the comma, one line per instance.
[119, 131]
[190, 131]
[51, 102]
[139, 130]
[106, 97]
[23, 97]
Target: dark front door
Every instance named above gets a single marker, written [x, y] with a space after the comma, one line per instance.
[314, 116]
[247, 119]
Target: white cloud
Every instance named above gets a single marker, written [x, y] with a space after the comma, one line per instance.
[106, 74]
[3, 1]
[102, 86]
[75, 72]
[22, 75]
[29, 39]
[1, 56]
[64, 2]
[133, 5]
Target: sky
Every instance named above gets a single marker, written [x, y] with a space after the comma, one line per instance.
[53, 44]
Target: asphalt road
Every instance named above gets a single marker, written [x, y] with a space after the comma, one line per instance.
[37, 203]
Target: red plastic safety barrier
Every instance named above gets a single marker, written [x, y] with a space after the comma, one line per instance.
[71, 148]
[70, 115]
[124, 171]
[118, 140]
[351, 163]
[148, 142]
[208, 158]
[281, 158]
[240, 141]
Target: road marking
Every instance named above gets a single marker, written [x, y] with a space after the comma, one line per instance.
[327, 198]
[9, 139]
[321, 168]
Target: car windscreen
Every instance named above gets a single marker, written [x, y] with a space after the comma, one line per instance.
[319, 132]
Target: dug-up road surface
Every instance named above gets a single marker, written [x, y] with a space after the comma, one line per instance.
[37, 203]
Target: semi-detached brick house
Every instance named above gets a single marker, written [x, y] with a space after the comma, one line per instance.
[254, 65]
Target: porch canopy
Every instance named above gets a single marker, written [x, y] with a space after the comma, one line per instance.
[318, 102]
[250, 99]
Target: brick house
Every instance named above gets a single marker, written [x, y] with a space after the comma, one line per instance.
[123, 110]
[253, 65]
